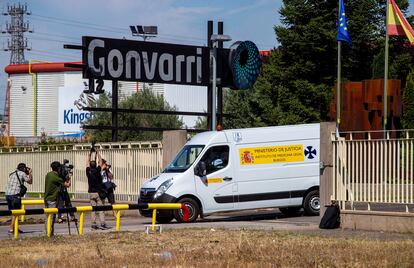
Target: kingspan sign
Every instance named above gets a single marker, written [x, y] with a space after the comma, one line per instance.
[126, 60]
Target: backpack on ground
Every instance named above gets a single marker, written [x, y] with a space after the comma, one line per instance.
[331, 218]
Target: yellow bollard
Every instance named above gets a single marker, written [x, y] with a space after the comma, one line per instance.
[23, 214]
[154, 217]
[81, 218]
[48, 228]
[16, 227]
[118, 221]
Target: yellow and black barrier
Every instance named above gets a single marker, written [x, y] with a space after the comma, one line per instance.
[26, 202]
[81, 210]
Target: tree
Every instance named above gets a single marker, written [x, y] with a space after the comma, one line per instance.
[201, 123]
[294, 87]
[297, 84]
[145, 99]
[408, 100]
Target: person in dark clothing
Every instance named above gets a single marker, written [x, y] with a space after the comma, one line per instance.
[95, 188]
[108, 184]
[53, 183]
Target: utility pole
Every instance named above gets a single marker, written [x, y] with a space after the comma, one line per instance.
[214, 90]
[16, 28]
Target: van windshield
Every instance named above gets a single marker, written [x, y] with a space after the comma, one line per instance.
[184, 159]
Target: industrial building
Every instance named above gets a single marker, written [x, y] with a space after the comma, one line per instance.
[47, 98]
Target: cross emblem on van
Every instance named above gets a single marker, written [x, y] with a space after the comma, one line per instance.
[310, 153]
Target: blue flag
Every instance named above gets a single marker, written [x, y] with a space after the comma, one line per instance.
[343, 34]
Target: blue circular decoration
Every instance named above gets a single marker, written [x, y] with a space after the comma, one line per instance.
[245, 64]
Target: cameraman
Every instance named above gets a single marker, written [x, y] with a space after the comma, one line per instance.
[63, 200]
[95, 189]
[108, 184]
[53, 184]
[15, 191]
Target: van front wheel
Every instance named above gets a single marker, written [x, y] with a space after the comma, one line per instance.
[312, 203]
[193, 210]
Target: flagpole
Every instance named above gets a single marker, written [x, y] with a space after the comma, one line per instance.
[338, 92]
[386, 70]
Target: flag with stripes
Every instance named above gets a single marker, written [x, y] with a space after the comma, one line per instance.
[397, 23]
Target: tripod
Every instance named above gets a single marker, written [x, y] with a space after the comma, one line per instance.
[75, 221]
[64, 201]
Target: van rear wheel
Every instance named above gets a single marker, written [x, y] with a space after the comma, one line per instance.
[312, 203]
[193, 210]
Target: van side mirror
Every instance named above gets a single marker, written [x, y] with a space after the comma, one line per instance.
[200, 169]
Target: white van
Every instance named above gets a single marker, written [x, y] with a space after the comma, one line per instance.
[239, 169]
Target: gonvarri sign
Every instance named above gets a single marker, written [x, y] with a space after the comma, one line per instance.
[126, 60]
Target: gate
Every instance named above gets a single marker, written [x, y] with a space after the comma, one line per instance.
[373, 171]
[132, 164]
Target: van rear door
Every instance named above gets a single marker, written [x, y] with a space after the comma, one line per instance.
[216, 189]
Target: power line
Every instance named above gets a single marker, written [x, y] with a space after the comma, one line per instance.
[56, 53]
[48, 55]
[106, 28]
[60, 36]
[83, 23]
[50, 39]
[81, 26]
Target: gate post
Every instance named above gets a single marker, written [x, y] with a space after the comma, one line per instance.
[172, 142]
[326, 156]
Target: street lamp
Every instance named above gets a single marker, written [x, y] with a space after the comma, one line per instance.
[215, 38]
[145, 32]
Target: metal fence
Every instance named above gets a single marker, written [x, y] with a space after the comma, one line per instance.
[132, 164]
[368, 170]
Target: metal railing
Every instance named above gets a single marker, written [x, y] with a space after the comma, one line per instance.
[369, 170]
[132, 164]
[81, 210]
[26, 202]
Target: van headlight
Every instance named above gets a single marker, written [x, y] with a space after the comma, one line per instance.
[163, 188]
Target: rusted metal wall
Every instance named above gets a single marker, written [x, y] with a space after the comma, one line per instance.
[362, 106]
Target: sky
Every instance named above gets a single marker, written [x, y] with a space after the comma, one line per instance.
[58, 22]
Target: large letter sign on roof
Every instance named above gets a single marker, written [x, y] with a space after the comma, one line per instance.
[126, 60]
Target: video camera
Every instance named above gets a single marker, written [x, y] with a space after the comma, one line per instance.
[24, 168]
[65, 170]
[27, 170]
[93, 146]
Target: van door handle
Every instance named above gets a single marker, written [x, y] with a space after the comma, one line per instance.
[227, 179]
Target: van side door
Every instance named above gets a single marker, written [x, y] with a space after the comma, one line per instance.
[216, 187]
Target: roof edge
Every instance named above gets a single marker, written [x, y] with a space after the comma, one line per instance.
[53, 67]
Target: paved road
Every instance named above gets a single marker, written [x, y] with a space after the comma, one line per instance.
[262, 219]
[267, 219]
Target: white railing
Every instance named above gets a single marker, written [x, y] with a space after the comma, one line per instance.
[372, 170]
[79, 146]
[132, 164]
